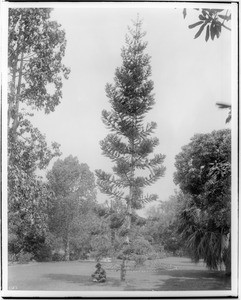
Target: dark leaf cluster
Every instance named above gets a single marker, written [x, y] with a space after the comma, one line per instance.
[212, 21]
[204, 175]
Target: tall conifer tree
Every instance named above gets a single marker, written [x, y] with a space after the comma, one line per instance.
[130, 143]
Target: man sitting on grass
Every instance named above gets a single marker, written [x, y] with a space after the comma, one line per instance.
[100, 274]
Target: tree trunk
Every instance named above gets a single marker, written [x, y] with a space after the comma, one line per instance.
[123, 270]
[17, 100]
[128, 215]
[227, 258]
[12, 93]
[112, 233]
[66, 250]
[126, 243]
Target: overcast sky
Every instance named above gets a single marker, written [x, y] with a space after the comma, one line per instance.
[189, 76]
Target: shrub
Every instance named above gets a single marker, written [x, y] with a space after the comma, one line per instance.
[14, 245]
[57, 257]
[24, 257]
[73, 256]
[12, 257]
[43, 253]
[139, 259]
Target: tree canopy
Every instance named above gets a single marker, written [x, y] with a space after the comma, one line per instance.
[35, 51]
[36, 47]
[73, 186]
[204, 173]
[162, 223]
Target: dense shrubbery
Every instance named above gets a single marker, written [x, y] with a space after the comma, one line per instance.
[24, 257]
[43, 253]
[57, 257]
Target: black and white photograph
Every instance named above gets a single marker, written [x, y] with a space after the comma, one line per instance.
[120, 149]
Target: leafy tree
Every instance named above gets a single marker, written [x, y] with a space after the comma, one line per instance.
[211, 19]
[165, 210]
[101, 245]
[140, 249]
[204, 173]
[130, 143]
[36, 46]
[162, 222]
[90, 233]
[74, 189]
[35, 51]
[27, 217]
[96, 233]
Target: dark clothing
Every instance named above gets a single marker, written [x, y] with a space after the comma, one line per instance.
[99, 275]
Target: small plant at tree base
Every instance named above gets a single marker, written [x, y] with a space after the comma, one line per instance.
[130, 143]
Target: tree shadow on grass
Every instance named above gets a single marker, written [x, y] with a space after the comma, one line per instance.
[82, 280]
[193, 280]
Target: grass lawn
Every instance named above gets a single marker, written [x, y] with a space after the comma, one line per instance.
[168, 274]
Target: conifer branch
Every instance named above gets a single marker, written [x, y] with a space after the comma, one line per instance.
[130, 142]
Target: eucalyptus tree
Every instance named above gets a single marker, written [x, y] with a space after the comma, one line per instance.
[36, 47]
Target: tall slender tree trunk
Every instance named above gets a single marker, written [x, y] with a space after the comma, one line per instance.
[128, 216]
[112, 239]
[12, 93]
[127, 241]
[123, 269]
[17, 99]
[14, 66]
[112, 234]
[66, 250]
[227, 260]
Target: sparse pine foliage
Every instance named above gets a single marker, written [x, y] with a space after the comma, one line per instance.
[130, 142]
